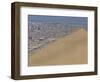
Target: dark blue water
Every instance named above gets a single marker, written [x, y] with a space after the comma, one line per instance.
[81, 21]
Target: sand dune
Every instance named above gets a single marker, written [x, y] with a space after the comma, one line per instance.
[71, 49]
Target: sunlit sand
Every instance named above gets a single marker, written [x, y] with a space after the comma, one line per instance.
[70, 49]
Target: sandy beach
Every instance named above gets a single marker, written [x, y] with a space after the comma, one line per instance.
[70, 49]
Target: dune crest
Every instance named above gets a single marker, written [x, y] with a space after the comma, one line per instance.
[71, 49]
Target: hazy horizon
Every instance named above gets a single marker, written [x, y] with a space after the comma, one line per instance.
[80, 21]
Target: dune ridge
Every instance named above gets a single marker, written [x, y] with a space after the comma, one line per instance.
[70, 49]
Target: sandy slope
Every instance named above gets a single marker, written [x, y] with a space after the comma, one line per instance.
[71, 49]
